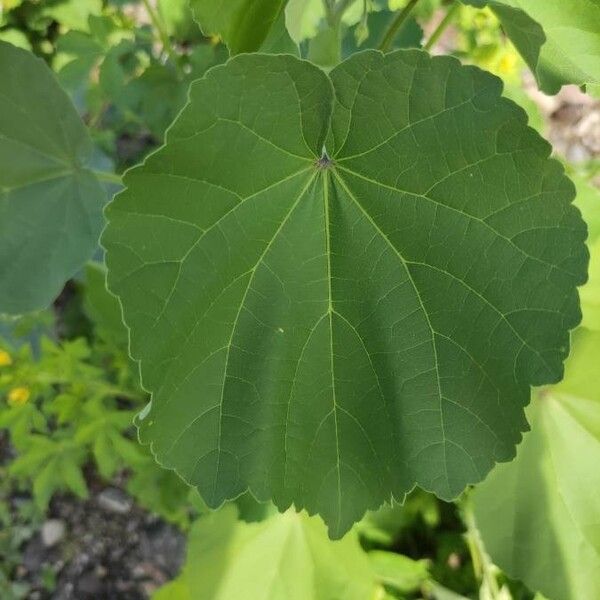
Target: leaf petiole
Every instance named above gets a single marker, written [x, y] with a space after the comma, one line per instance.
[484, 569]
[435, 36]
[108, 177]
[163, 34]
[340, 8]
[396, 25]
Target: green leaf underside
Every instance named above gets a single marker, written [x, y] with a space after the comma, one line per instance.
[329, 332]
[50, 205]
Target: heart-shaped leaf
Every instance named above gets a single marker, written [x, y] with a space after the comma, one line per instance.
[340, 286]
[50, 203]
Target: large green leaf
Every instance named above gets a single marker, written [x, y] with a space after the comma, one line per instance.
[539, 515]
[50, 203]
[330, 329]
[559, 40]
[287, 557]
[243, 24]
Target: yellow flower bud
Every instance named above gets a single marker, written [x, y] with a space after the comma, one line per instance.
[5, 358]
[18, 396]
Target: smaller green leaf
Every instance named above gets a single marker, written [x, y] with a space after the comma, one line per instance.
[78, 52]
[302, 18]
[15, 37]
[73, 14]
[242, 24]
[409, 36]
[588, 201]
[70, 470]
[560, 41]
[50, 202]
[178, 19]
[539, 515]
[286, 557]
[590, 294]
[399, 572]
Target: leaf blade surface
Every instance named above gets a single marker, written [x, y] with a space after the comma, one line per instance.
[329, 329]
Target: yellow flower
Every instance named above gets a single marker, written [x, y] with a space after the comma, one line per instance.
[18, 396]
[507, 63]
[5, 359]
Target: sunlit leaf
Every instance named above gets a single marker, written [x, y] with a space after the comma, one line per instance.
[560, 41]
[73, 14]
[539, 515]
[286, 557]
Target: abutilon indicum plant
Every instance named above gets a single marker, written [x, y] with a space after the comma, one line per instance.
[343, 271]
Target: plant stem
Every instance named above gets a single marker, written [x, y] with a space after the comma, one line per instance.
[397, 23]
[328, 6]
[108, 177]
[340, 8]
[325, 49]
[482, 565]
[335, 11]
[435, 36]
[160, 28]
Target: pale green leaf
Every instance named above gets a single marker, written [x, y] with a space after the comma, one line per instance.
[73, 14]
[539, 515]
[330, 331]
[50, 203]
[560, 41]
[15, 37]
[399, 572]
[302, 18]
[10, 4]
[582, 373]
[79, 53]
[178, 19]
[242, 24]
[286, 557]
[590, 294]
[588, 201]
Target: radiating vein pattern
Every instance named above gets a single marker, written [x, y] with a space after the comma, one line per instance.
[50, 204]
[330, 330]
